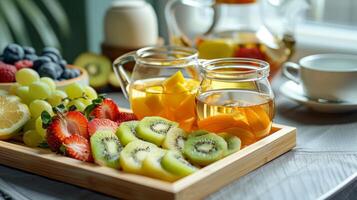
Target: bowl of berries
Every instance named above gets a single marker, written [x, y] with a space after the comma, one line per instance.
[49, 63]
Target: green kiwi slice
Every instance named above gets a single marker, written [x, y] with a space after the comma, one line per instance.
[198, 133]
[106, 148]
[175, 140]
[154, 129]
[134, 153]
[175, 163]
[126, 132]
[152, 167]
[233, 143]
[205, 149]
[98, 67]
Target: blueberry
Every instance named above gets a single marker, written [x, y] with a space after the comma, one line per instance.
[29, 50]
[31, 57]
[58, 69]
[67, 74]
[52, 56]
[76, 72]
[13, 53]
[48, 70]
[63, 64]
[51, 50]
[40, 61]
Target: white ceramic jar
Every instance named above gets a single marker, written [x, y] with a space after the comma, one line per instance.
[130, 24]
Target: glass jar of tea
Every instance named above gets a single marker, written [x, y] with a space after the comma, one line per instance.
[163, 83]
[258, 29]
[235, 97]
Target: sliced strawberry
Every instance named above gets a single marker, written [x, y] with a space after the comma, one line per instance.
[124, 116]
[108, 109]
[101, 124]
[77, 147]
[65, 125]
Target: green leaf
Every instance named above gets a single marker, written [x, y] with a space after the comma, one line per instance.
[5, 33]
[46, 119]
[89, 109]
[15, 21]
[59, 109]
[39, 21]
[43, 145]
[58, 14]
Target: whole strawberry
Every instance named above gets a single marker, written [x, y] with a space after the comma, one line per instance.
[7, 73]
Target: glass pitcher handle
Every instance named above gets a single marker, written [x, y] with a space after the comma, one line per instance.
[174, 30]
[120, 73]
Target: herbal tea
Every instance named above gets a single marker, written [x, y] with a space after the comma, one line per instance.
[246, 45]
[246, 114]
[170, 98]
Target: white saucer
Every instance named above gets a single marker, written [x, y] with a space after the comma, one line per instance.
[295, 92]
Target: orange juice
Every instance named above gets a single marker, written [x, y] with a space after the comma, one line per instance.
[159, 97]
[250, 117]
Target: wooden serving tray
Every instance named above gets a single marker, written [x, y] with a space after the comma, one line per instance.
[130, 186]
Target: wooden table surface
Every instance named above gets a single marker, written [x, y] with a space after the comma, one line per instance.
[325, 156]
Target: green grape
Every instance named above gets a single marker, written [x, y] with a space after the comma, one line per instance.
[23, 93]
[41, 131]
[56, 98]
[90, 92]
[49, 82]
[85, 101]
[39, 90]
[30, 125]
[13, 88]
[74, 90]
[79, 105]
[38, 106]
[32, 139]
[26, 76]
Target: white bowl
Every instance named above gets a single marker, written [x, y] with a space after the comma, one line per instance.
[82, 79]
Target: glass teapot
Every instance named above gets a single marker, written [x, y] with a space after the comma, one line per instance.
[259, 29]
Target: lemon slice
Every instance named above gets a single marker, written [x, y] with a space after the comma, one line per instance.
[13, 115]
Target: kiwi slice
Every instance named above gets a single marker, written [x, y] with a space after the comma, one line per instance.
[175, 163]
[126, 132]
[134, 154]
[152, 167]
[154, 129]
[175, 139]
[106, 148]
[205, 149]
[198, 133]
[97, 66]
[233, 143]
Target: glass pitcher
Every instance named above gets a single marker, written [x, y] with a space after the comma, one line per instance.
[239, 28]
[245, 109]
[163, 83]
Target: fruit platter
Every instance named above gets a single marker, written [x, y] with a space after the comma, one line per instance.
[83, 138]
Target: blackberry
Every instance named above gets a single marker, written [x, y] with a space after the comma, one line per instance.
[13, 53]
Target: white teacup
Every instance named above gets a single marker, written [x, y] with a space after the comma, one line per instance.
[330, 77]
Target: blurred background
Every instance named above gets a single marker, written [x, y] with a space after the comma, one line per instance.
[77, 26]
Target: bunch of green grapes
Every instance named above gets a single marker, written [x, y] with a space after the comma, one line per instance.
[40, 94]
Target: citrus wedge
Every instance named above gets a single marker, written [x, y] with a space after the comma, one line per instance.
[13, 115]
